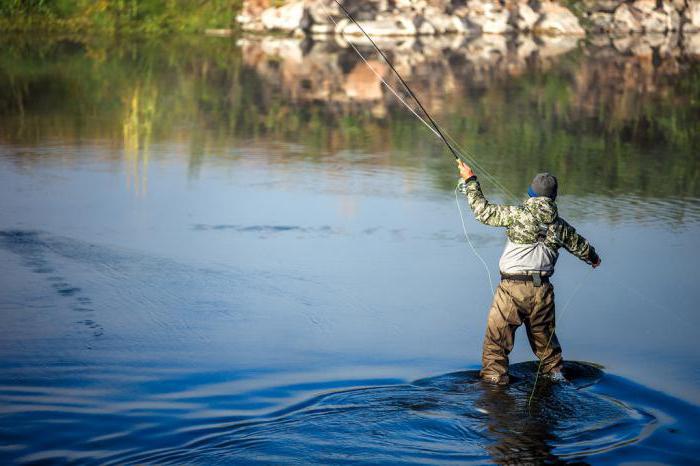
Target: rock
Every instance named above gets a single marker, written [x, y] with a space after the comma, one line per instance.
[557, 20]
[601, 21]
[444, 23]
[654, 19]
[426, 29]
[288, 17]
[624, 21]
[397, 26]
[679, 5]
[691, 44]
[490, 17]
[606, 6]
[253, 8]
[321, 9]
[362, 10]
[526, 17]
[691, 17]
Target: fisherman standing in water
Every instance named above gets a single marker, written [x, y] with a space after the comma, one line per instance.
[525, 295]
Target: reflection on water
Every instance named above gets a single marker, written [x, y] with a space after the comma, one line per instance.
[609, 117]
[214, 250]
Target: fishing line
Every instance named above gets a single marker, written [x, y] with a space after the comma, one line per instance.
[435, 129]
[466, 235]
[387, 84]
[459, 154]
[554, 329]
[386, 59]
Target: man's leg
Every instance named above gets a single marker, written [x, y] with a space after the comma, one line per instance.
[502, 322]
[540, 329]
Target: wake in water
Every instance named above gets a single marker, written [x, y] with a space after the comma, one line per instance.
[118, 405]
[452, 417]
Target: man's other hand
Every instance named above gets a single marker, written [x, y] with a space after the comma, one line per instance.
[464, 171]
[596, 264]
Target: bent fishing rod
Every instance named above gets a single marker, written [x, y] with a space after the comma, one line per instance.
[436, 127]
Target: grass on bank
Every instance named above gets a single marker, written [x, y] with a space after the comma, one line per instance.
[104, 16]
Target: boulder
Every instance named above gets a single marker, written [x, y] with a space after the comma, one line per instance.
[426, 29]
[679, 5]
[691, 44]
[606, 6]
[625, 21]
[444, 23]
[691, 17]
[653, 19]
[288, 17]
[601, 22]
[558, 20]
[490, 17]
[321, 9]
[526, 17]
[395, 26]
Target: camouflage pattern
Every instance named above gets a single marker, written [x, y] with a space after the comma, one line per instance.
[537, 219]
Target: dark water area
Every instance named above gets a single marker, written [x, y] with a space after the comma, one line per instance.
[246, 251]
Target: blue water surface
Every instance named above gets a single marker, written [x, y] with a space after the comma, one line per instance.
[181, 286]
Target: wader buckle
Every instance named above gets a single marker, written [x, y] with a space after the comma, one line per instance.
[537, 279]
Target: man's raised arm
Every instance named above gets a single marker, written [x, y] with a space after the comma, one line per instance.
[489, 214]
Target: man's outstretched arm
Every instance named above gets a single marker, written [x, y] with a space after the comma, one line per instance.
[577, 244]
[485, 212]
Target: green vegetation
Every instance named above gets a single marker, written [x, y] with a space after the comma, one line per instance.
[132, 94]
[111, 16]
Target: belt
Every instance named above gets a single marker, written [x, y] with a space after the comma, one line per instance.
[536, 278]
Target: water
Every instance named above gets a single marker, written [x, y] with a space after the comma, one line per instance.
[223, 251]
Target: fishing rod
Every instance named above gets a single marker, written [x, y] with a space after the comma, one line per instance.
[410, 91]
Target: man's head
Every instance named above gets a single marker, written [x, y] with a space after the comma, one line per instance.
[543, 184]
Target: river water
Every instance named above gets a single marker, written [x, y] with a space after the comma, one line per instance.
[231, 250]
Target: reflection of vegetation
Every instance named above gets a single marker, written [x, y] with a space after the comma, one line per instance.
[199, 91]
[116, 15]
[138, 129]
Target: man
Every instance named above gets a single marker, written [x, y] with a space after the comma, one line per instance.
[535, 233]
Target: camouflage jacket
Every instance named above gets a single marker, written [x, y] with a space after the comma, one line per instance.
[535, 220]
